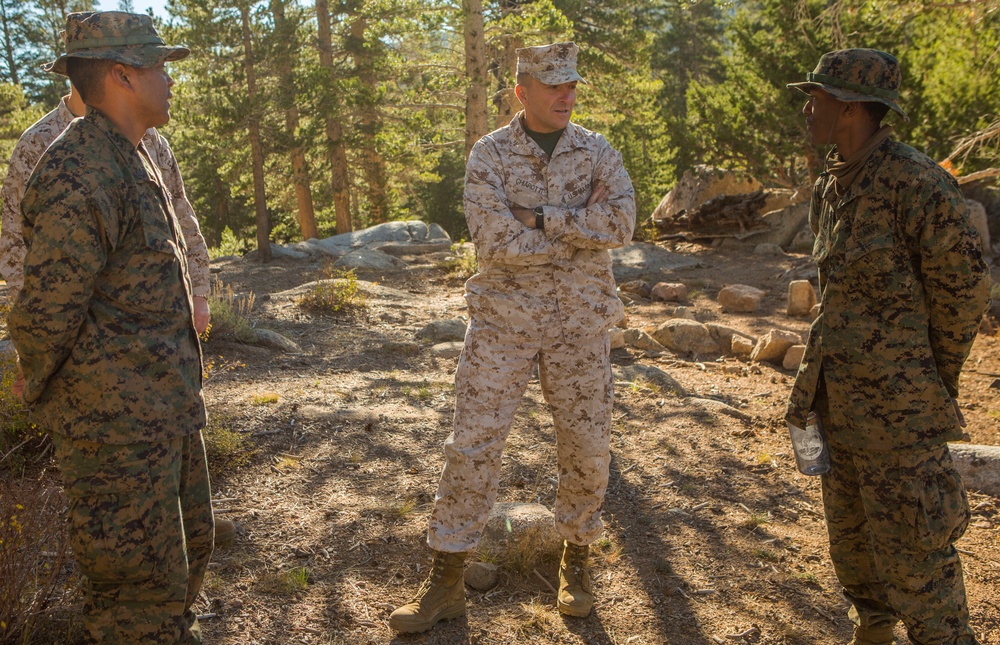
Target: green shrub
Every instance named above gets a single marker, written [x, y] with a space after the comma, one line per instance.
[229, 245]
[338, 291]
[225, 447]
[463, 263]
[231, 315]
[18, 435]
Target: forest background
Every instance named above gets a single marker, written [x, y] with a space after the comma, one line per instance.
[294, 119]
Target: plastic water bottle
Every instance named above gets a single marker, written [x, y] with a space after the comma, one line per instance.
[811, 454]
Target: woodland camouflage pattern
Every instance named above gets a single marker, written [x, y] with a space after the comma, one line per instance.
[857, 75]
[128, 38]
[903, 288]
[26, 154]
[144, 555]
[103, 325]
[551, 64]
[548, 294]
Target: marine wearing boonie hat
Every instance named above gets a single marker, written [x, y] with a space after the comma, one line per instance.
[550, 64]
[857, 75]
[128, 38]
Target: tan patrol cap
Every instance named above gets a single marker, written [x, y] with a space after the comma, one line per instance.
[128, 38]
[551, 64]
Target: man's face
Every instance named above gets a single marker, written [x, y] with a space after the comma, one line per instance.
[152, 86]
[822, 114]
[547, 108]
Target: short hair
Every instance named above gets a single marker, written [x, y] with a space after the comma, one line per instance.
[87, 76]
[876, 111]
[522, 78]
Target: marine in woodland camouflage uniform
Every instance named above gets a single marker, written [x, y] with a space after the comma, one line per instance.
[105, 334]
[903, 288]
[542, 225]
[26, 153]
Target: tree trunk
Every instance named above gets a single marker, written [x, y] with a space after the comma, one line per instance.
[476, 112]
[8, 45]
[370, 121]
[505, 70]
[336, 152]
[256, 149]
[300, 169]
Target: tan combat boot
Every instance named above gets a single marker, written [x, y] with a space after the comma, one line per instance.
[881, 635]
[442, 596]
[575, 597]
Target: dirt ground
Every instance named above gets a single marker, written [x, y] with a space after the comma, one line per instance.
[712, 535]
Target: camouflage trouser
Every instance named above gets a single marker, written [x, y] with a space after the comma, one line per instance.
[893, 518]
[492, 375]
[142, 533]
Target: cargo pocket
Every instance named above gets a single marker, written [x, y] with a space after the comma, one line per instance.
[938, 509]
[109, 533]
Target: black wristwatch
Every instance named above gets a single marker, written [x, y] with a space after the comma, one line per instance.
[539, 218]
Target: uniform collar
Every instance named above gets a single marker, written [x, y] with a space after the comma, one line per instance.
[62, 110]
[864, 183]
[127, 151]
[572, 137]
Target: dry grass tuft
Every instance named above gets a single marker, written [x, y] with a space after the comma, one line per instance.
[34, 554]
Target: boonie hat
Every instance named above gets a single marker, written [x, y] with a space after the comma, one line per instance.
[128, 38]
[551, 64]
[856, 75]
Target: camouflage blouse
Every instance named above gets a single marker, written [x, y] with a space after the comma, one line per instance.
[903, 288]
[103, 326]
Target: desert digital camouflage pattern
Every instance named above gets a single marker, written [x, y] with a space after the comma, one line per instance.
[103, 325]
[26, 154]
[903, 287]
[552, 64]
[128, 38]
[142, 576]
[857, 75]
[548, 294]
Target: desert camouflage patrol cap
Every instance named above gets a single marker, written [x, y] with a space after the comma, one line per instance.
[551, 64]
[856, 75]
[128, 38]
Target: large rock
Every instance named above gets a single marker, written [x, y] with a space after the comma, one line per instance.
[741, 347]
[669, 292]
[740, 298]
[793, 357]
[977, 214]
[648, 374]
[443, 331]
[700, 184]
[518, 535]
[801, 298]
[979, 466]
[723, 336]
[617, 337]
[772, 346]
[639, 288]
[638, 259]
[269, 338]
[369, 260]
[803, 241]
[392, 238]
[481, 576]
[686, 336]
[782, 226]
[639, 339]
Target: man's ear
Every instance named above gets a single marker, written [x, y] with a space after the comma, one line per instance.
[120, 76]
[519, 92]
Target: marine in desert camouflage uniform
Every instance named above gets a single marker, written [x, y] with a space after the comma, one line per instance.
[903, 288]
[105, 333]
[26, 153]
[545, 199]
